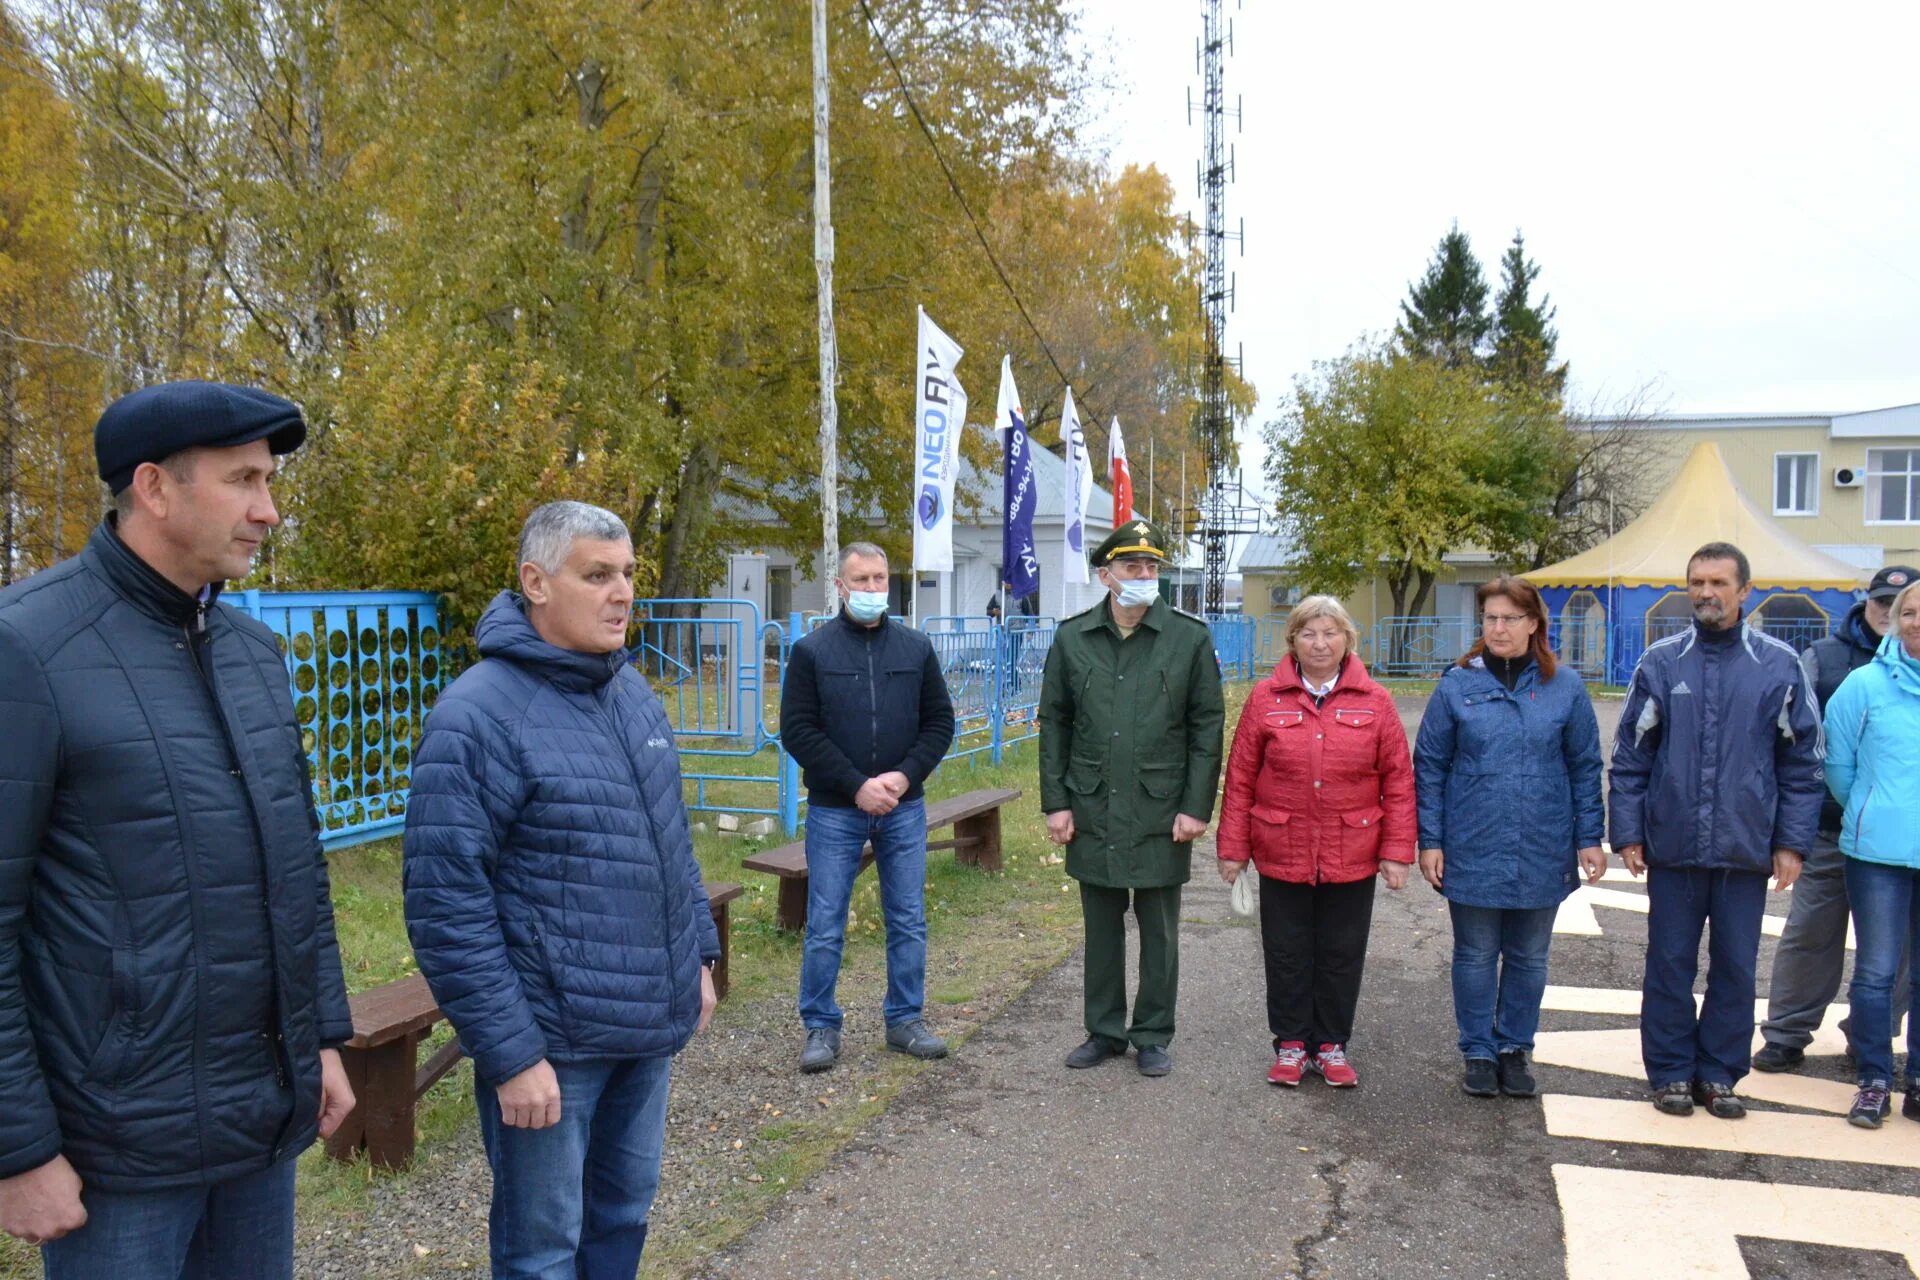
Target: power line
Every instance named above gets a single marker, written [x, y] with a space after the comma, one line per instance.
[953, 184]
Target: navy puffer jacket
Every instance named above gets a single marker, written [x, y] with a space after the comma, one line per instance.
[168, 971]
[551, 892]
[1509, 785]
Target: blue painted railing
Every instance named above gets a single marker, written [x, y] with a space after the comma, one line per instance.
[366, 667]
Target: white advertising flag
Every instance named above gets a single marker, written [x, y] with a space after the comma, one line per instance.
[940, 411]
[1079, 487]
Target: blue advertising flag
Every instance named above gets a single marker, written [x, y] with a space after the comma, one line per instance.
[1018, 556]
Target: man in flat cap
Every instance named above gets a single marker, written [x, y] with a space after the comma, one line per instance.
[1131, 720]
[170, 991]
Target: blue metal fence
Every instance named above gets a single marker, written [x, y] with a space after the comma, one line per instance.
[711, 662]
[366, 667]
[1423, 648]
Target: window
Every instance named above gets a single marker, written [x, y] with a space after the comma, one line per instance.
[1796, 490]
[1893, 486]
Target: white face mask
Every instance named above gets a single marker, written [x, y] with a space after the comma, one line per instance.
[1135, 593]
[867, 606]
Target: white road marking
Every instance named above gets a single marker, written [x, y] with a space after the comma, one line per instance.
[1683, 1226]
[1575, 915]
[1617, 1053]
[1762, 1133]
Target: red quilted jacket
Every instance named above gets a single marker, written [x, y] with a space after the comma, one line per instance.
[1318, 795]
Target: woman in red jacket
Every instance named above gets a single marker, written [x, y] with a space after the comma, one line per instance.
[1319, 796]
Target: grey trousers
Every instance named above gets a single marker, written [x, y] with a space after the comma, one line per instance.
[1812, 952]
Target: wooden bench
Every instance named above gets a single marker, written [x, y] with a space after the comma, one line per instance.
[974, 817]
[382, 1058]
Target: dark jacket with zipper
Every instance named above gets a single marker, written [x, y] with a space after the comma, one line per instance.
[1719, 758]
[863, 701]
[552, 896]
[1829, 661]
[168, 969]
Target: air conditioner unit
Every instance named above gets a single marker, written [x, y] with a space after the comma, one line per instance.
[1848, 477]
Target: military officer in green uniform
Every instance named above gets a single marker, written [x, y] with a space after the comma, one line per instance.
[1131, 718]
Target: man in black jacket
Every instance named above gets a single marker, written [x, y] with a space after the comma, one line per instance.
[170, 991]
[1813, 946]
[865, 712]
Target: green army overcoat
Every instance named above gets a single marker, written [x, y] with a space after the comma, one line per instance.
[1130, 736]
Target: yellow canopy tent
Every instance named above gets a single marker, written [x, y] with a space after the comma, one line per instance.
[1702, 505]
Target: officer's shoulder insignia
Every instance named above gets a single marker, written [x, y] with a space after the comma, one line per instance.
[1191, 617]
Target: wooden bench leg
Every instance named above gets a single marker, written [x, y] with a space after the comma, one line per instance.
[791, 913]
[389, 1102]
[350, 1137]
[721, 922]
[981, 834]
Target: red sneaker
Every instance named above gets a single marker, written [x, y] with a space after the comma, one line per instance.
[1331, 1064]
[1289, 1064]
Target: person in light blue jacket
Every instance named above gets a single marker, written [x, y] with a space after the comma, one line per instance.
[1873, 770]
[1507, 770]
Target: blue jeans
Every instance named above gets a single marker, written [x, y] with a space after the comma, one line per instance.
[240, 1229]
[570, 1201]
[1714, 1046]
[1886, 926]
[1499, 976]
[835, 838]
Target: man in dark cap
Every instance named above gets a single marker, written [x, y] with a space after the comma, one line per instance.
[171, 998]
[1813, 946]
[1131, 722]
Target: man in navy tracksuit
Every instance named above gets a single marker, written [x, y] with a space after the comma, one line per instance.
[1717, 782]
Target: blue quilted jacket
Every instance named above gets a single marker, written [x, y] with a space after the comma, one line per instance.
[551, 892]
[168, 972]
[1509, 785]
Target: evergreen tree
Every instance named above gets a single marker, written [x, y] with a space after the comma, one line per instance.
[1524, 339]
[1445, 314]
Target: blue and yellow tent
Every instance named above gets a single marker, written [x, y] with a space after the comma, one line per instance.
[1611, 601]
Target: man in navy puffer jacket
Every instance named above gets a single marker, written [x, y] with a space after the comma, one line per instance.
[555, 905]
[1717, 781]
[170, 992]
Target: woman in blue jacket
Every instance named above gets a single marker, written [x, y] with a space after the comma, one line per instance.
[1507, 769]
[1873, 770]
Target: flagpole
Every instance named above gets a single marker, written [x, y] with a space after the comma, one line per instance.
[829, 353]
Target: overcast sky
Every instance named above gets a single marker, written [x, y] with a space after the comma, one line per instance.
[1724, 199]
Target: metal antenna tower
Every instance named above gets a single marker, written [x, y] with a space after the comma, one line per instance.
[1223, 510]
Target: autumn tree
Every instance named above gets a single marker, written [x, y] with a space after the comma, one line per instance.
[49, 380]
[1385, 463]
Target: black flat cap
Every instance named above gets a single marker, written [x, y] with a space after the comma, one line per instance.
[156, 422]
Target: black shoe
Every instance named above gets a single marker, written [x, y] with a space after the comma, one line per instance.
[822, 1051]
[1911, 1107]
[1778, 1057]
[1091, 1054]
[1516, 1081]
[1482, 1078]
[1870, 1105]
[916, 1040]
[1719, 1099]
[1674, 1099]
[1153, 1060]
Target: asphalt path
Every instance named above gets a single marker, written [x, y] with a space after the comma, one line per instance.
[1000, 1162]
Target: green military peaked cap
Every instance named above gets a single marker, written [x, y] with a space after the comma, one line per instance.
[1134, 538]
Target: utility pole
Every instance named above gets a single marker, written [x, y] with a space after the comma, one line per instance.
[829, 352]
